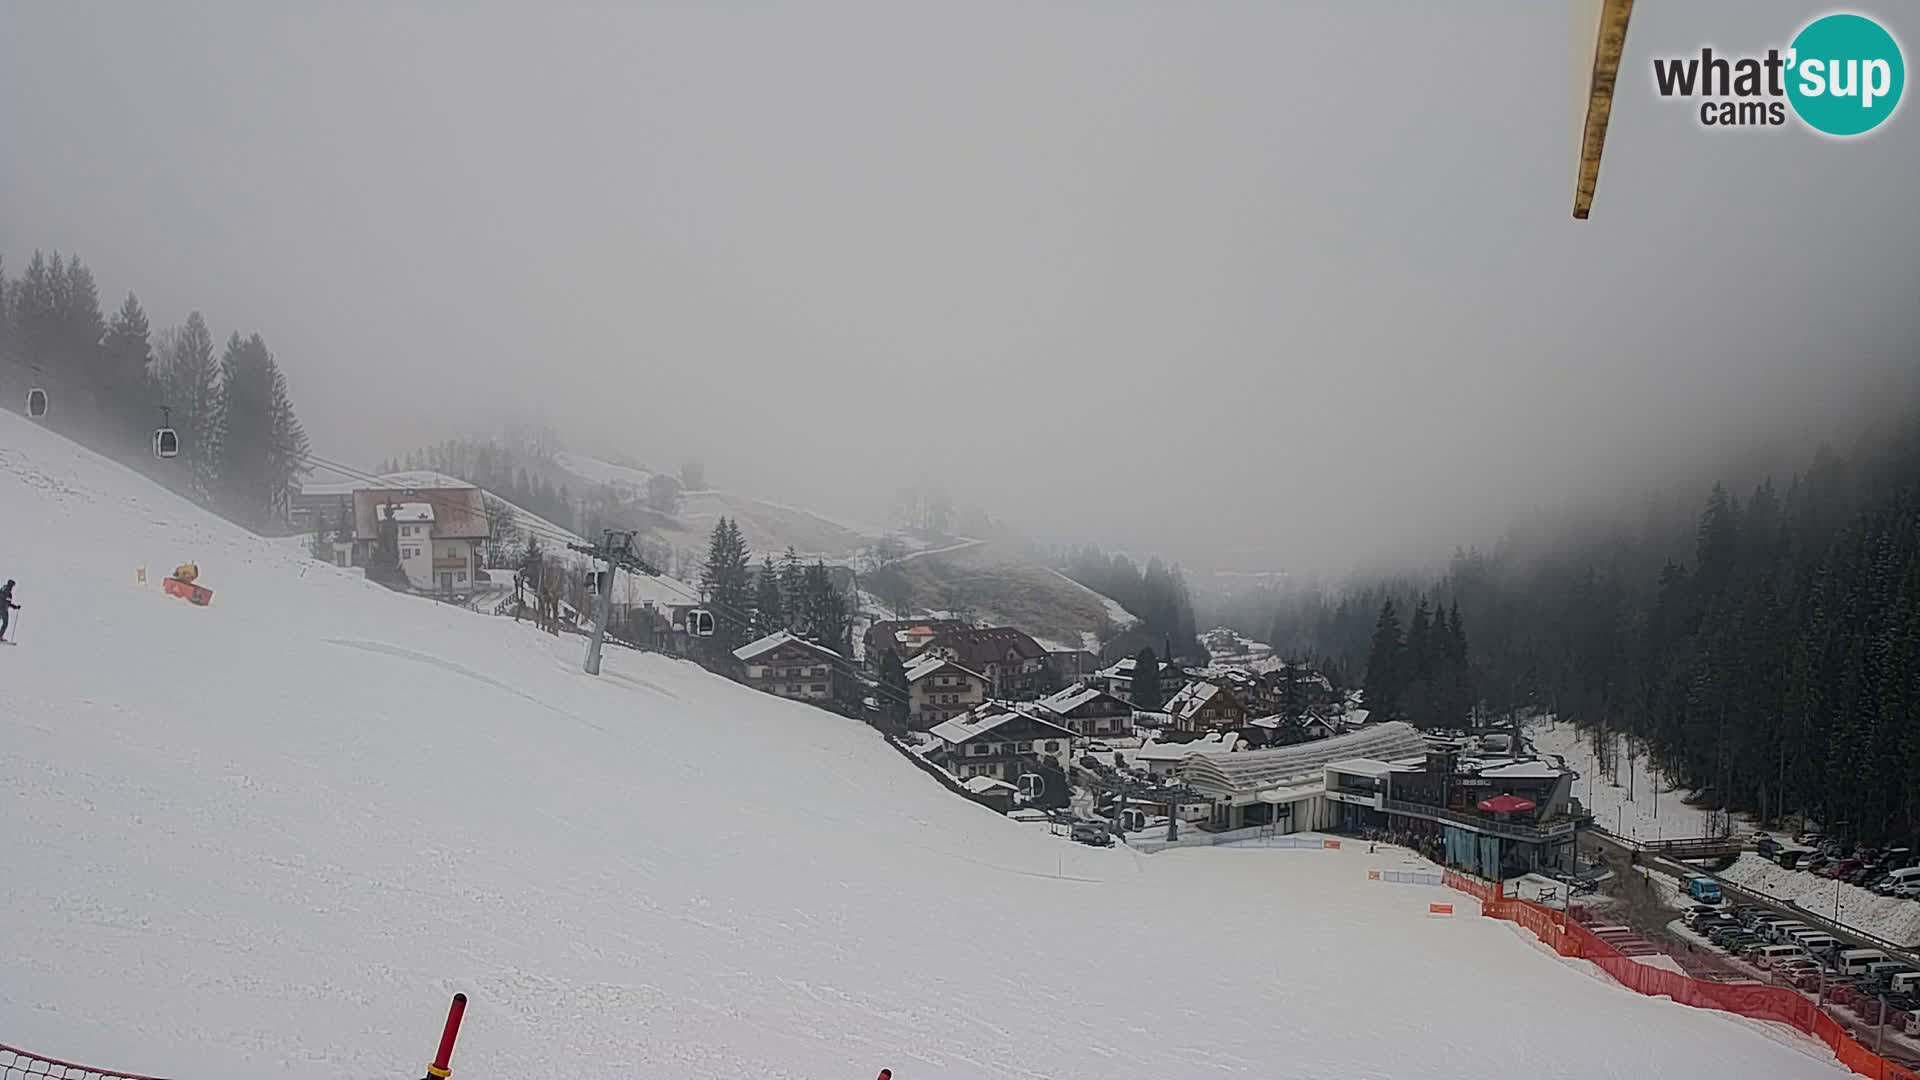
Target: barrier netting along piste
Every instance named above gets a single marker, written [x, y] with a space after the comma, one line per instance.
[1761, 1002]
[18, 1064]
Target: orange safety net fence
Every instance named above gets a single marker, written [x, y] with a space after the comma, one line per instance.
[1775, 1003]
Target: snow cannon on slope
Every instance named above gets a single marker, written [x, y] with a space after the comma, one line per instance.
[183, 583]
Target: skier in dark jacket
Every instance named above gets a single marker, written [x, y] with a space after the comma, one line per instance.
[6, 605]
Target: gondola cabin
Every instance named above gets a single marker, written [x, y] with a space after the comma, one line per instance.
[36, 403]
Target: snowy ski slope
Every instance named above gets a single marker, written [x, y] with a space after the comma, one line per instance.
[270, 837]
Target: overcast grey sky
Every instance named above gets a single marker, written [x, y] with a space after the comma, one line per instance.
[1306, 271]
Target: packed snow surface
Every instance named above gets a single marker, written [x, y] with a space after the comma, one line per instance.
[273, 835]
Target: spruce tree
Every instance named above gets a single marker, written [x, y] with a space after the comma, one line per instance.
[1383, 681]
[726, 582]
[769, 606]
[894, 689]
[1146, 681]
[190, 382]
[827, 621]
[126, 355]
[791, 592]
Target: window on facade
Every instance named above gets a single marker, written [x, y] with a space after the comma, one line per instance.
[1053, 747]
[818, 688]
[1021, 748]
[460, 575]
[977, 750]
[793, 688]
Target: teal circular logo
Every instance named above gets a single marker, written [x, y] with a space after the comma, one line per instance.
[1847, 74]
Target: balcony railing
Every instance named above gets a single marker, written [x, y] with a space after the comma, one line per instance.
[1512, 830]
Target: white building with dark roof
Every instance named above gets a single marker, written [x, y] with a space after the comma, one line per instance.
[787, 666]
[939, 689]
[1000, 741]
[1090, 712]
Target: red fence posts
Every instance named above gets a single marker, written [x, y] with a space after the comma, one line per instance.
[441, 1067]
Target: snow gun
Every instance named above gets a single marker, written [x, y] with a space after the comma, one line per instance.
[182, 583]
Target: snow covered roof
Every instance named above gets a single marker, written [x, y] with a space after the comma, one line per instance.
[1524, 770]
[1217, 743]
[1191, 698]
[1360, 766]
[776, 639]
[972, 725]
[457, 513]
[923, 666]
[1292, 766]
[1072, 698]
[980, 785]
[399, 481]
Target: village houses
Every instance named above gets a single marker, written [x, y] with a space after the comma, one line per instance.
[1015, 665]
[939, 690]
[1000, 741]
[442, 533]
[1117, 679]
[791, 667]
[1205, 706]
[1090, 712]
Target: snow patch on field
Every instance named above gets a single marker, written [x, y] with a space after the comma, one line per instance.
[1644, 815]
[271, 836]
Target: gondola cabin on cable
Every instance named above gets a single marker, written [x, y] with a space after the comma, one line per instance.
[36, 403]
[166, 441]
[700, 623]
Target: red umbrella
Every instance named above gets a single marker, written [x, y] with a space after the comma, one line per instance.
[1506, 804]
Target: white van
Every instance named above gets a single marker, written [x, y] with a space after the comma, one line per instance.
[1898, 878]
[1855, 961]
[1818, 943]
[1769, 955]
[1778, 929]
[1907, 982]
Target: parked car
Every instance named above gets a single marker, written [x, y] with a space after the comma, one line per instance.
[1842, 868]
[1767, 846]
[1809, 838]
[1092, 833]
[1693, 915]
[1907, 890]
[1790, 968]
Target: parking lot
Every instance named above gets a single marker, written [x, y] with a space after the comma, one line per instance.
[1747, 937]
